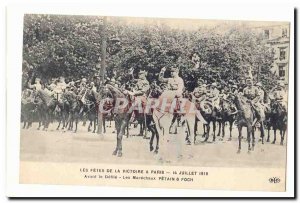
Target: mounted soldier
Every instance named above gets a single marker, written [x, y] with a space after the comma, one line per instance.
[213, 97]
[199, 94]
[93, 87]
[260, 101]
[174, 84]
[173, 90]
[278, 94]
[60, 88]
[37, 85]
[82, 89]
[141, 87]
[253, 96]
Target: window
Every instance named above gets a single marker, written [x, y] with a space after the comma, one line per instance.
[282, 54]
[284, 32]
[267, 34]
[281, 71]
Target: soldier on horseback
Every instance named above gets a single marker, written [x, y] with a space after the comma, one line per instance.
[199, 94]
[175, 84]
[213, 97]
[278, 94]
[60, 88]
[254, 96]
[139, 91]
[174, 90]
[82, 89]
[37, 85]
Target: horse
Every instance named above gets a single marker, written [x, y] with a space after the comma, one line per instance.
[28, 108]
[183, 107]
[72, 107]
[63, 110]
[92, 107]
[228, 114]
[278, 120]
[245, 118]
[121, 117]
[47, 106]
[210, 115]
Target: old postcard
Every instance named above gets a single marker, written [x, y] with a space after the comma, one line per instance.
[154, 102]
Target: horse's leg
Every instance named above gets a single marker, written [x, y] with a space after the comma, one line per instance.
[230, 130]
[157, 139]
[268, 126]
[59, 121]
[274, 141]
[46, 121]
[151, 138]
[187, 126]
[150, 125]
[204, 132]
[262, 133]
[127, 130]
[253, 138]
[40, 124]
[214, 131]
[140, 122]
[64, 120]
[282, 136]
[223, 129]
[90, 125]
[76, 122]
[103, 123]
[195, 129]
[120, 136]
[250, 133]
[94, 120]
[219, 122]
[207, 131]
[240, 138]
[117, 126]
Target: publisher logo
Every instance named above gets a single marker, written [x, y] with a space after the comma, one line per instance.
[274, 180]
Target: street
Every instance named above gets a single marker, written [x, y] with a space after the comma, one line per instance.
[87, 147]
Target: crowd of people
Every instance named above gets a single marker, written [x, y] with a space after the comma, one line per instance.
[173, 87]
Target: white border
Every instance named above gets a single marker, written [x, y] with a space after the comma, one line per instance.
[186, 9]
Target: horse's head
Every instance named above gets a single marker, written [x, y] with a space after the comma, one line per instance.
[278, 108]
[154, 90]
[114, 92]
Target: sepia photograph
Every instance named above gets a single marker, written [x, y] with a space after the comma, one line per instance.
[159, 102]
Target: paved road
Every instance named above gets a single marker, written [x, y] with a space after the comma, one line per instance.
[83, 146]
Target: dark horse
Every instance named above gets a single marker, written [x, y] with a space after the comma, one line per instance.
[73, 105]
[228, 114]
[210, 115]
[47, 106]
[122, 115]
[28, 108]
[278, 120]
[92, 105]
[245, 118]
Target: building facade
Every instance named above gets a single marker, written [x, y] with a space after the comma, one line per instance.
[278, 37]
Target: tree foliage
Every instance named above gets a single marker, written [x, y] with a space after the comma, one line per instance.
[70, 46]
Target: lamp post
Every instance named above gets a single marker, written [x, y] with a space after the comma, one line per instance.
[102, 74]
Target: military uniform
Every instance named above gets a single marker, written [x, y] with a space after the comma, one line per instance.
[174, 85]
[199, 95]
[141, 87]
[37, 85]
[254, 95]
[214, 97]
[280, 95]
[59, 89]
